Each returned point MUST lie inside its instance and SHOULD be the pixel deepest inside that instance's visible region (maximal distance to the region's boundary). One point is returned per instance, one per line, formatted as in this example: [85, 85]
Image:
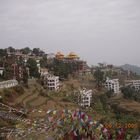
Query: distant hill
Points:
[133, 68]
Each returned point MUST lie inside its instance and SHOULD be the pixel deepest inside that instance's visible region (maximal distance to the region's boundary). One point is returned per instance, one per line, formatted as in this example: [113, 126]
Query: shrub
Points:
[6, 93]
[19, 90]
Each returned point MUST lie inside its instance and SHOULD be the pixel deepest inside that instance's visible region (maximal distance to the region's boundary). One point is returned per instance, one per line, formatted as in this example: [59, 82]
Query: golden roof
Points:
[72, 55]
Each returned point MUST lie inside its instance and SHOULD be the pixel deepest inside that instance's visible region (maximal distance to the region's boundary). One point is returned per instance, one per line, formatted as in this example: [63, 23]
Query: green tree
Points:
[43, 62]
[36, 51]
[3, 52]
[33, 69]
[25, 76]
[99, 76]
[11, 49]
[128, 92]
[26, 50]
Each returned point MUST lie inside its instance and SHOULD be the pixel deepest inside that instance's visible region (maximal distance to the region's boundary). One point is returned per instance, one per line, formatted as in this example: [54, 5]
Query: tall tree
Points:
[99, 76]
[3, 53]
[25, 75]
[43, 62]
[31, 63]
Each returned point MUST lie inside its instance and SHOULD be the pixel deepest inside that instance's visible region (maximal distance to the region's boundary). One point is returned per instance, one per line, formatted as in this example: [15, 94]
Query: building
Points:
[38, 65]
[53, 82]
[8, 83]
[133, 83]
[43, 72]
[113, 85]
[59, 56]
[1, 70]
[72, 56]
[85, 98]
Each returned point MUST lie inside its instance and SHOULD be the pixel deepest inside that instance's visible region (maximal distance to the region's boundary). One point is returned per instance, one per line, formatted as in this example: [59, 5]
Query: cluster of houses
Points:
[52, 82]
[133, 83]
[113, 85]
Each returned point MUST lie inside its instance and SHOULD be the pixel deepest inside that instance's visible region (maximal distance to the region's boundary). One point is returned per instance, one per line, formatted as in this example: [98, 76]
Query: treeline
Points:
[63, 69]
[26, 50]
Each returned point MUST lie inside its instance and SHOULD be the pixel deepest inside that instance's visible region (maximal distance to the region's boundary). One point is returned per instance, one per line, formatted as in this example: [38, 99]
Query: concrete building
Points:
[1, 70]
[133, 83]
[85, 98]
[38, 65]
[44, 71]
[53, 82]
[8, 83]
[113, 85]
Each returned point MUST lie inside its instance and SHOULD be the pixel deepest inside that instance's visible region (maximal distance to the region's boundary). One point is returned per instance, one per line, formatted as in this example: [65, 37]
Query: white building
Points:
[85, 98]
[1, 70]
[133, 83]
[53, 82]
[8, 83]
[38, 65]
[113, 85]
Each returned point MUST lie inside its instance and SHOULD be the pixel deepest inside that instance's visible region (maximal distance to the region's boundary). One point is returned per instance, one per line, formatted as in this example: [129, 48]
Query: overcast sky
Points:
[97, 30]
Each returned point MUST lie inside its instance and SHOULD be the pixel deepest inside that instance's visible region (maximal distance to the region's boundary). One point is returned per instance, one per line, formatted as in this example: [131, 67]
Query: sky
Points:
[97, 30]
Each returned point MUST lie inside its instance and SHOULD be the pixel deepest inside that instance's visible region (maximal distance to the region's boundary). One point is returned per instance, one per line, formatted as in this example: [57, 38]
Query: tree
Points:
[33, 69]
[43, 62]
[11, 49]
[62, 69]
[25, 76]
[36, 51]
[3, 52]
[26, 50]
[99, 76]
[128, 92]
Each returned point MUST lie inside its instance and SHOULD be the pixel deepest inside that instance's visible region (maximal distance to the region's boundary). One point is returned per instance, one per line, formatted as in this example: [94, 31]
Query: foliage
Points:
[99, 76]
[103, 99]
[63, 69]
[19, 90]
[109, 93]
[66, 99]
[26, 50]
[6, 92]
[38, 52]
[11, 49]
[43, 62]
[31, 63]
[130, 93]
[3, 52]
[25, 76]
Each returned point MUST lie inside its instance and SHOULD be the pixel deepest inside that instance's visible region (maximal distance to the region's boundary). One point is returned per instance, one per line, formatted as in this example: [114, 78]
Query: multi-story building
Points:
[133, 83]
[113, 85]
[53, 82]
[85, 98]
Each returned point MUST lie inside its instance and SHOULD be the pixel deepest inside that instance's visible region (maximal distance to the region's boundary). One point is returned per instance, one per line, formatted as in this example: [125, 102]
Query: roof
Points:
[72, 55]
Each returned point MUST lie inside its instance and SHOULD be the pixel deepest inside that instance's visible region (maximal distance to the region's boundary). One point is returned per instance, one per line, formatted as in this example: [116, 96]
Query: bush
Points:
[19, 90]
[6, 93]
[66, 100]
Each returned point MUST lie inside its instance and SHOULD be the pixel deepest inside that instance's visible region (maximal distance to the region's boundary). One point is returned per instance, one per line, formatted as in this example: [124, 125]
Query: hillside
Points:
[133, 68]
